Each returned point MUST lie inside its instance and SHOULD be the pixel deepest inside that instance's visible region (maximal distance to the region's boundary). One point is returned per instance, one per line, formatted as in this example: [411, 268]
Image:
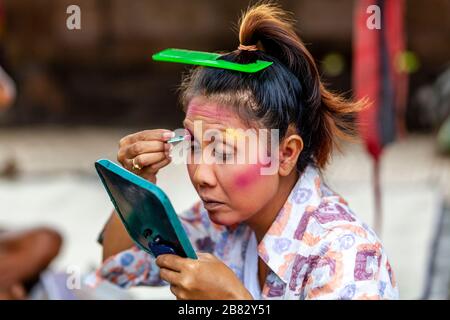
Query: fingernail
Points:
[168, 147]
[168, 135]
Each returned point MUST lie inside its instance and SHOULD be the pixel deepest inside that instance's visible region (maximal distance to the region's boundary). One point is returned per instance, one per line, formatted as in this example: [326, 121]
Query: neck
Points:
[263, 219]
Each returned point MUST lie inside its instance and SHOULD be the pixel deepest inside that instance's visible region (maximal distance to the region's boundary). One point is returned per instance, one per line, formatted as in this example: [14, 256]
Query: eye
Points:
[195, 147]
[223, 152]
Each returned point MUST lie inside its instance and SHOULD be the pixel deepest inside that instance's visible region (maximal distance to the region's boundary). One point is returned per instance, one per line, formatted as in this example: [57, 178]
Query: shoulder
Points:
[346, 259]
[332, 221]
[322, 214]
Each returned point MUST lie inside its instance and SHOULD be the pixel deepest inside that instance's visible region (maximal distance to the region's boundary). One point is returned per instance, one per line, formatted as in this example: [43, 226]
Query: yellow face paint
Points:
[233, 133]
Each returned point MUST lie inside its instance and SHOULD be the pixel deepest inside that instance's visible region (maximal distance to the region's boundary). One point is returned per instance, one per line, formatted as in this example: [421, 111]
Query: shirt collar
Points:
[283, 240]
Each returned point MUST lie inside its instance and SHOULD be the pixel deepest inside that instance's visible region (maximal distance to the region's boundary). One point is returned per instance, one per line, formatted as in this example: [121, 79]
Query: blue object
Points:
[176, 139]
[145, 210]
[158, 249]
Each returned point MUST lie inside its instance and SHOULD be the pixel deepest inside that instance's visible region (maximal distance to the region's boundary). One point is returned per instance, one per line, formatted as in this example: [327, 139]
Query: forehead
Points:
[212, 113]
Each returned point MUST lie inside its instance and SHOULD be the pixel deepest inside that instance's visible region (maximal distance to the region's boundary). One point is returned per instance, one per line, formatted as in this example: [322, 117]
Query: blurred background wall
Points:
[103, 74]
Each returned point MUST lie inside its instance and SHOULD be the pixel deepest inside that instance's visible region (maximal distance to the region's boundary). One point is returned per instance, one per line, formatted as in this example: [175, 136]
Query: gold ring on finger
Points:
[135, 165]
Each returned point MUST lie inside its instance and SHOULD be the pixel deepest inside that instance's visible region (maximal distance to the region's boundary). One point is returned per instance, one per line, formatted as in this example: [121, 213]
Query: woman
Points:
[283, 235]
[24, 256]
[7, 90]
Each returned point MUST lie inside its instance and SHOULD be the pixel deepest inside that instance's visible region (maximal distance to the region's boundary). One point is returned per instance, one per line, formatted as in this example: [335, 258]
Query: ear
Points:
[290, 149]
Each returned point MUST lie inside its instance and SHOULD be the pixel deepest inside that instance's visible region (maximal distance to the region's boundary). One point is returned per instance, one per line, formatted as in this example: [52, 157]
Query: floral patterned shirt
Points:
[315, 249]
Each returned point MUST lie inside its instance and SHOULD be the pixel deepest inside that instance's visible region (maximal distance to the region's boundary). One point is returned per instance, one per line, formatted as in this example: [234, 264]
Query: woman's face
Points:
[231, 192]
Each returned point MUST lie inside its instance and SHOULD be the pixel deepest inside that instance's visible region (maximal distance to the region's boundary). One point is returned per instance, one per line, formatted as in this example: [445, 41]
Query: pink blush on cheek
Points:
[247, 178]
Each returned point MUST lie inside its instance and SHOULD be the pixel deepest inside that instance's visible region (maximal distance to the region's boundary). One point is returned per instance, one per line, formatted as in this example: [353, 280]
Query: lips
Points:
[211, 204]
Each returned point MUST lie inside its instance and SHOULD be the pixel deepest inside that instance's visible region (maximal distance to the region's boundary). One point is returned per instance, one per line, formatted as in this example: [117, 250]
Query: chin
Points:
[224, 218]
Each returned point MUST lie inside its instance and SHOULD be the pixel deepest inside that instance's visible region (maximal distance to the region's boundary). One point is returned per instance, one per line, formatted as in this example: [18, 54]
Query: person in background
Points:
[7, 90]
[7, 87]
[24, 255]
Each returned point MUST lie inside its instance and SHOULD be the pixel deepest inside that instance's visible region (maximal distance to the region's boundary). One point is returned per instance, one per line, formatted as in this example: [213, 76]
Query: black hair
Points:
[287, 93]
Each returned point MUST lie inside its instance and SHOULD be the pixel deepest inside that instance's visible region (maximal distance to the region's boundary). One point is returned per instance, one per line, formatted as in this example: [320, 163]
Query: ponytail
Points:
[329, 116]
[289, 92]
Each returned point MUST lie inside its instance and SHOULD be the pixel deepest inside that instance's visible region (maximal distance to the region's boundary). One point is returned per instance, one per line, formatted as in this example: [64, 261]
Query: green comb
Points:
[207, 59]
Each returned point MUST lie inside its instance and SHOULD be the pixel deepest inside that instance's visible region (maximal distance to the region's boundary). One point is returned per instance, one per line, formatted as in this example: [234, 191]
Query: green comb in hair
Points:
[207, 59]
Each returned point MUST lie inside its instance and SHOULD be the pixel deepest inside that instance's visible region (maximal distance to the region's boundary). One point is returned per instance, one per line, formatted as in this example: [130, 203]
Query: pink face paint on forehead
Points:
[209, 110]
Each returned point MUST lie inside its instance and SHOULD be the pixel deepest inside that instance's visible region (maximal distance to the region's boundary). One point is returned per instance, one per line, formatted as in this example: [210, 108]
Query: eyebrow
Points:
[224, 141]
[185, 126]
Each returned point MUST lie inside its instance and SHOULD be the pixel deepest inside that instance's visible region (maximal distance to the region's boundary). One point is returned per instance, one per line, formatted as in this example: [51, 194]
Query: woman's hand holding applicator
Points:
[145, 152]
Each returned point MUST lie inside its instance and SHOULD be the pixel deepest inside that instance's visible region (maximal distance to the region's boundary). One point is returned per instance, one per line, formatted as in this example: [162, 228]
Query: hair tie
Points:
[247, 48]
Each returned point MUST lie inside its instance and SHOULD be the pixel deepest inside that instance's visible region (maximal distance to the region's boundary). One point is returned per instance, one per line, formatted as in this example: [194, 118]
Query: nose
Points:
[204, 175]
